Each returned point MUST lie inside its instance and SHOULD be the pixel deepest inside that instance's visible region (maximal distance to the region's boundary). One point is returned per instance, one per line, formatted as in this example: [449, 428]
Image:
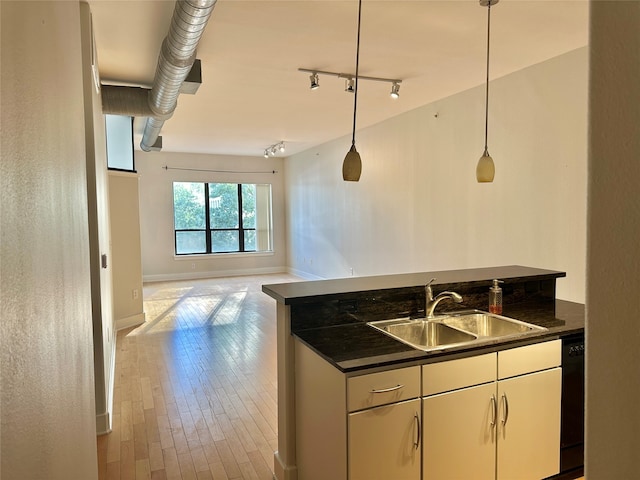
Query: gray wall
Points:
[613, 261]
[47, 378]
[418, 207]
[125, 244]
[104, 338]
[156, 213]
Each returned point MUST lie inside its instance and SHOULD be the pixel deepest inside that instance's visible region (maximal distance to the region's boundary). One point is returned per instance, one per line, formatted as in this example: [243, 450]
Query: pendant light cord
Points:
[486, 97]
[355, 98]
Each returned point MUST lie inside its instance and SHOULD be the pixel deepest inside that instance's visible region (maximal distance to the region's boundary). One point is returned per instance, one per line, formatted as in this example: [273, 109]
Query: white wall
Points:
[613, 266]
[417, 205]
[104, 338]
[47, 378]
[156, 213]
[127, 257]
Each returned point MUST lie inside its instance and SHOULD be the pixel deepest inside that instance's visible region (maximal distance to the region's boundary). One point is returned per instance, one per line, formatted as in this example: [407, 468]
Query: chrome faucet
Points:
[432, 303]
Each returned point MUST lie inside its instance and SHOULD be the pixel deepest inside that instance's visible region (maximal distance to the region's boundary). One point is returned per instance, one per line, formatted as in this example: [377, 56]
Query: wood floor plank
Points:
[191, 401]
[143, 470]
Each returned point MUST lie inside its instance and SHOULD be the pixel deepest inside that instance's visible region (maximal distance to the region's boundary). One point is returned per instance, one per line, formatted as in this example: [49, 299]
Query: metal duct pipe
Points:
[177, 55]
[129, 101]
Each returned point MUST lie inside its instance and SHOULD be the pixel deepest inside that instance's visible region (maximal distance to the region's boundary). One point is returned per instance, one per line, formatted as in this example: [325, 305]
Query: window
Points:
[119, 133]
[221, 217]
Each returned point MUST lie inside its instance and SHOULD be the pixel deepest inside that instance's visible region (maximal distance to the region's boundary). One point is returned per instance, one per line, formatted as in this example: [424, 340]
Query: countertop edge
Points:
[307, 291]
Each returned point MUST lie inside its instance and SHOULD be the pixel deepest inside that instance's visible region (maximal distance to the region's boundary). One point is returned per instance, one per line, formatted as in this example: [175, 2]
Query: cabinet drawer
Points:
[381, 388]
[532, 358]
[461, 373]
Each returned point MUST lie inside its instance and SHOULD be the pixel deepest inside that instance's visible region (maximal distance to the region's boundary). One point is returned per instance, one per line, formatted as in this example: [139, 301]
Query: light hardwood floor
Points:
[195, 393]
[195, 386]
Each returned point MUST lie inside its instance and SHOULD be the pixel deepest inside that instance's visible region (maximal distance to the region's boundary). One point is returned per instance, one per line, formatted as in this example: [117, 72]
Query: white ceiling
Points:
[252, 94]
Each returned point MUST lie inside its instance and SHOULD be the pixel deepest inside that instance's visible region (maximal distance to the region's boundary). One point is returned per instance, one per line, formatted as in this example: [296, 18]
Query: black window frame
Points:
[208, 230]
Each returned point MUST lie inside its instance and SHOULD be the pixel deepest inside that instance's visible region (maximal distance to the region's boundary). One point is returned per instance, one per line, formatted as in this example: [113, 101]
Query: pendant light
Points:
[352, 165]
[486, 170]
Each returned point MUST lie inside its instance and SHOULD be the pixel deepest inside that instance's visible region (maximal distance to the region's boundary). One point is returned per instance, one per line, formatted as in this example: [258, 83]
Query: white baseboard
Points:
[303, 274]
[283, 471]
[132, 321]
[103, 423]
[169, 277]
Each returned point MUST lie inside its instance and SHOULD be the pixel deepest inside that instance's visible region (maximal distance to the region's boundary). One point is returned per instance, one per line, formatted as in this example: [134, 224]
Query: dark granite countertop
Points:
[358, 346]
[310, 291]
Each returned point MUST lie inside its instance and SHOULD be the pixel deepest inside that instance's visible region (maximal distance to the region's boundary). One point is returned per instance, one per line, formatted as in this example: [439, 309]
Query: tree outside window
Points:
[221, 217]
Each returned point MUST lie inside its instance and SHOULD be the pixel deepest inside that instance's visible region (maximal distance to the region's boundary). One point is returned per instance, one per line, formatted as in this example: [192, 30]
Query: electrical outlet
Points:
[193, 266]
[134, 293]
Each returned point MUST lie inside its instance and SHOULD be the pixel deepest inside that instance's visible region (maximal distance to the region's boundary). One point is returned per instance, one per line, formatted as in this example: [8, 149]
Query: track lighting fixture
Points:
[272, 150]
[395, 90]
[350, 79]
[315, 82]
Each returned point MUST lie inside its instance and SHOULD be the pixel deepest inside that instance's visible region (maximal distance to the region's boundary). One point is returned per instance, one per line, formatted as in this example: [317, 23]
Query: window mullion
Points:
[240, 225]
[207, 221]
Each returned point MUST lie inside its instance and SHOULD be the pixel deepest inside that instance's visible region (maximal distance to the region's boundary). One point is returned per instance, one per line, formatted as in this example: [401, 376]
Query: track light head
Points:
[272, 150]
[395, 90]
[315, 82]
[352, 79]
[349, 85]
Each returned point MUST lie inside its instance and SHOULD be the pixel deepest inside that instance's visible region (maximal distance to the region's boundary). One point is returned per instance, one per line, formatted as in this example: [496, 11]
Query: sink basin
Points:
[453, 329]
[423, 334]
[489, 325]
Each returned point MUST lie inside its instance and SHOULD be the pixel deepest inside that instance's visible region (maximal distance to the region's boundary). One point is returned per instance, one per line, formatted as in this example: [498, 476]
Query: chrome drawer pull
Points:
[505, 402]
[494, 410]
[387, 390]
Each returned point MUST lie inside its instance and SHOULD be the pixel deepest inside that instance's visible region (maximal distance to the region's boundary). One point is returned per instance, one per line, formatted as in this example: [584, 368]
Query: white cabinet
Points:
[384, 425]
[529, 426]
[384, 442]
[502, 425]
[529, 400]
[361, 427]
[486, 417]
[459, 442]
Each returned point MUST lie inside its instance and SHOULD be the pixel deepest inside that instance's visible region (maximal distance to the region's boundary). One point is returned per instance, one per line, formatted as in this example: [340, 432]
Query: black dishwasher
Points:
[572, 409]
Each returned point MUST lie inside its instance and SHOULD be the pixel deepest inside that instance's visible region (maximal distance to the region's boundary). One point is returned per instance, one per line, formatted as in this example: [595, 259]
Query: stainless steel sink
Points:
[489, 325]
[454, 329]
[423, 334]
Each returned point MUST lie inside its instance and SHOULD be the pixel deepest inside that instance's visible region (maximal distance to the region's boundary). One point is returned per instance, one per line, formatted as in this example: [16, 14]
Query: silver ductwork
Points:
[177, 56]
[128, 101]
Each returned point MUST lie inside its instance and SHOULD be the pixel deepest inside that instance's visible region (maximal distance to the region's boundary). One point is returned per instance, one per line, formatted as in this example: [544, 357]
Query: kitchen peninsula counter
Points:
[330, 317]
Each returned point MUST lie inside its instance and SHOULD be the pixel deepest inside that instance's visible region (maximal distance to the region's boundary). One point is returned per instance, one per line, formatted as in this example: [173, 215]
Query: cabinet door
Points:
[459, 438]
[529, 426]
[382, 442]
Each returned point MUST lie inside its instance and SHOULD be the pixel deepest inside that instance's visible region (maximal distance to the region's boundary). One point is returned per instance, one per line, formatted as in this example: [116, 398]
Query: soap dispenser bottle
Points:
[495, 298]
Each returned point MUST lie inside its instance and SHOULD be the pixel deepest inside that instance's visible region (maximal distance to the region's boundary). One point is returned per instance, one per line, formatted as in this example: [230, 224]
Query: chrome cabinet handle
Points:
[387, 390]
[505, 402]
[416, 444]
[494, 410]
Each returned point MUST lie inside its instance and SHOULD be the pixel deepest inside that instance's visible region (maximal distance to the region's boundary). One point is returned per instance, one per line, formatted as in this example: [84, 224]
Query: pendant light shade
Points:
[352, 164]
[486, 170]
